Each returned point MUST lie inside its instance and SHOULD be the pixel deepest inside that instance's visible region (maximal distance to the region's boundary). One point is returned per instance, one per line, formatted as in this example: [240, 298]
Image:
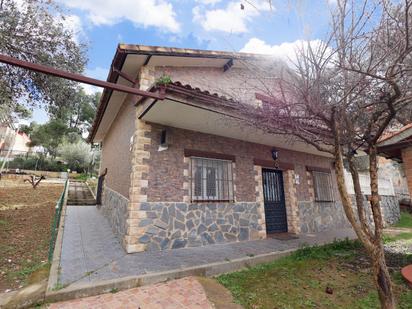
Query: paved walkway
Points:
[90, 251]
[186, 293]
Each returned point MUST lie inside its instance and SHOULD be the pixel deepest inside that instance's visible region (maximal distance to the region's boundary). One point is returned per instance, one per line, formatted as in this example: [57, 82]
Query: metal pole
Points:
[78, 77]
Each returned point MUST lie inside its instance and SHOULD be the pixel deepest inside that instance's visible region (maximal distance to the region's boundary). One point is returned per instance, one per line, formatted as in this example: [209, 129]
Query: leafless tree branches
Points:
[340, 96]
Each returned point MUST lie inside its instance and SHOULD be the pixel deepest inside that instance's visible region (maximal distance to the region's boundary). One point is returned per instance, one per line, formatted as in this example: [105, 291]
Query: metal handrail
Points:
[56, 220]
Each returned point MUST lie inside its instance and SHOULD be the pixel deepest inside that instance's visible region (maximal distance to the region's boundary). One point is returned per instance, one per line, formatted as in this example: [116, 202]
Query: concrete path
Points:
[91, 253]
[186, 293]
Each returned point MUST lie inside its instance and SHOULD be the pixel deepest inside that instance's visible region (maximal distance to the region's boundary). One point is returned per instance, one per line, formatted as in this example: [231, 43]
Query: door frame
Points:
[283, 198]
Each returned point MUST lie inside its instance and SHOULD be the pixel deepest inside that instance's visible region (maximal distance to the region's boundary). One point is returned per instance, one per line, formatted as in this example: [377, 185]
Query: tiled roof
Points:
[199, 91]
[389, 135]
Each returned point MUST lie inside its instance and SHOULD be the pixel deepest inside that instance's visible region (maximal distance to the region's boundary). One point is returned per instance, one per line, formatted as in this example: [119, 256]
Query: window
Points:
[211, 180]
[322, 184]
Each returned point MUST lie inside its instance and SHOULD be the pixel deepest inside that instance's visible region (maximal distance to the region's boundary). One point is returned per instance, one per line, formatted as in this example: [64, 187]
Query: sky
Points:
[268, 27]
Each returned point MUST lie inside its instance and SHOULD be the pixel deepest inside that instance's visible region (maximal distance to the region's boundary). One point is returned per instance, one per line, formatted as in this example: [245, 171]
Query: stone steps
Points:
[79, 194]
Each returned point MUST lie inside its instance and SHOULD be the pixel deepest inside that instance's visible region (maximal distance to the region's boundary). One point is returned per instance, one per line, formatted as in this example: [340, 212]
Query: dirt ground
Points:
[25, 221]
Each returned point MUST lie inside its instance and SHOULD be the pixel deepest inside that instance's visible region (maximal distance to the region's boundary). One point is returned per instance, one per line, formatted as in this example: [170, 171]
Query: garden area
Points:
[26, 216]
[337, 275]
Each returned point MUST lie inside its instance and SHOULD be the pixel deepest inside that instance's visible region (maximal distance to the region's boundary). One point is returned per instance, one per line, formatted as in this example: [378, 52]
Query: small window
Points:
[322, 184]
[211, 180]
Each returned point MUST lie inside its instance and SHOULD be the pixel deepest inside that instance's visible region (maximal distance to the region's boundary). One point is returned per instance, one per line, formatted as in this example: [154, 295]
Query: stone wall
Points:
[390, 209]
[114, 208]
[393, 170]
[319, 217]
[178, 225]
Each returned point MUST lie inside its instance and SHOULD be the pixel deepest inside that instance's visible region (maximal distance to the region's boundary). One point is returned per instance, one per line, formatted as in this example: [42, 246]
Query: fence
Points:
[385, 185]
[56, 219]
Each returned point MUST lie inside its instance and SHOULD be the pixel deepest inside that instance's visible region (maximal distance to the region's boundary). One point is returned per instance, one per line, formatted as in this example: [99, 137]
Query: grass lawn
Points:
[25, 222]
[405, 220]
[302, 279]
[400, 236]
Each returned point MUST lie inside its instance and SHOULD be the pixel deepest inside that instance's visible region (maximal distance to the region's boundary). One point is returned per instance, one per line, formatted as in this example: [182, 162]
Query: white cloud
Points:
[146, 13]
[231, 18]
[73, 24]
[208, 2]
[98, 73]
[285, 51]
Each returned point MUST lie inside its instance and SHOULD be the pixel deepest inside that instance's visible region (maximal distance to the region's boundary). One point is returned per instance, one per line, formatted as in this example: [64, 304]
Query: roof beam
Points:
[147, 60]
[228, 65]
[125, 76]
[78, 77]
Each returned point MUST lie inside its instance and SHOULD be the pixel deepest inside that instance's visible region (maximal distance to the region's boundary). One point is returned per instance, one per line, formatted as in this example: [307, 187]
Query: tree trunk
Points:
[380, 270]
[372, 243]
[382, 278]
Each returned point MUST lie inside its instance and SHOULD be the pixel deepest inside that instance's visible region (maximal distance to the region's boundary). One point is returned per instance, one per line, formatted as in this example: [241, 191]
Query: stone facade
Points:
[390, 209]
[115, 208]
[260, 200]
[323, 216]
[138, 188]
[139, 173]
[179, 225]
[393, 170]
[318, 217]
[292, 210]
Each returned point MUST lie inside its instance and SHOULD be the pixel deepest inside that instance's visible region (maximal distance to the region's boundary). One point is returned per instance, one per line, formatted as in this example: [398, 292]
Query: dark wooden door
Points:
[274, 199]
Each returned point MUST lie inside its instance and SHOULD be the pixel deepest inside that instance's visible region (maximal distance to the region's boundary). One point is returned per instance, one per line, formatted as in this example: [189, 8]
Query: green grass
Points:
[400, 236]
[81, 176]
[30, 271]
[58, 286]
[405, 221]
[300, 280]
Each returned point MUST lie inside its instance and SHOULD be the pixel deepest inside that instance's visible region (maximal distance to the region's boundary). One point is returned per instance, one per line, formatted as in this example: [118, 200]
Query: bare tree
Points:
[34, 180]
[340, 97]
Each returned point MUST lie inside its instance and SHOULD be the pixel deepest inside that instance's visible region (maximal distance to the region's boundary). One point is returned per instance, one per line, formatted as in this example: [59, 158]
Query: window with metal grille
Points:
[322, 184]
[211, 180]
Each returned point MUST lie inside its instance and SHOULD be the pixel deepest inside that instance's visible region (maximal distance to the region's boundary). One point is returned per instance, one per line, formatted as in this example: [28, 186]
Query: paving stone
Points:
[90, 247]
[187, 293]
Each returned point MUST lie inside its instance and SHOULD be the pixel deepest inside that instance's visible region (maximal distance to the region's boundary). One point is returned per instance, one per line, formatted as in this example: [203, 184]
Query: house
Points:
[189, 170]
[397, 146]
[13, 142]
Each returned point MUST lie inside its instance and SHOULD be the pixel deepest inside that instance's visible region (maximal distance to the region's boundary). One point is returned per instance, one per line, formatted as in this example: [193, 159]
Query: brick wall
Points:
[407, 165]
[166, 177]
[116, 154]
[237, 83]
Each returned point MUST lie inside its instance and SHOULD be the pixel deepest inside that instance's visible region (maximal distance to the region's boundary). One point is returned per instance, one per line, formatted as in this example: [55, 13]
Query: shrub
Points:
[39, 163]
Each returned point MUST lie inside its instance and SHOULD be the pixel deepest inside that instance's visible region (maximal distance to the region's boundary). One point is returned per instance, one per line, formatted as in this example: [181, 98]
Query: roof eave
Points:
[113, 75]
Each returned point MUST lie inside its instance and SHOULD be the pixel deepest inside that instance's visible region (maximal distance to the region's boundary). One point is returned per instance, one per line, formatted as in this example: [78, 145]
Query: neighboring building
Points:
[397, 146]
[13, 142]
[188, 171]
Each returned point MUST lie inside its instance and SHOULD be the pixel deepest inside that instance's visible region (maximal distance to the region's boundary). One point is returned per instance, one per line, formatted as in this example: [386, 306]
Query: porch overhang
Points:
[390, 146]
[128, 61]
[187, 113]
